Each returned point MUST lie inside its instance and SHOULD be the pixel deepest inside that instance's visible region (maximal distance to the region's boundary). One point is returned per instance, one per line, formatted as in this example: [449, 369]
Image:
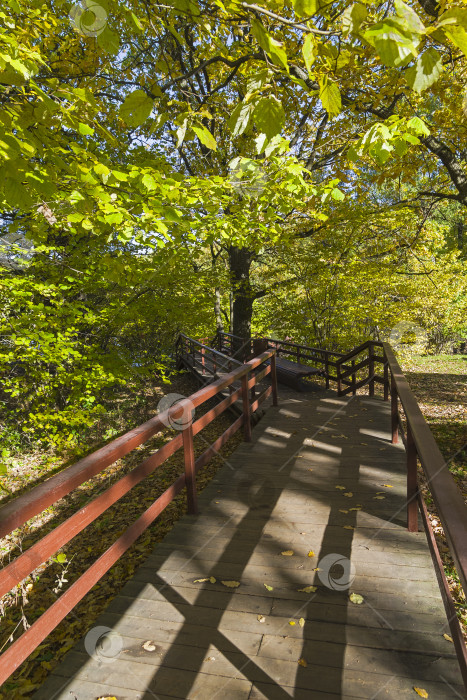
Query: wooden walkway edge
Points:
[322, 480]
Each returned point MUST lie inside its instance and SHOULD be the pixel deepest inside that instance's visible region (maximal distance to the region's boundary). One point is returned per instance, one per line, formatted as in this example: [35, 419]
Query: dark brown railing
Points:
[21, 509]
[421, 447]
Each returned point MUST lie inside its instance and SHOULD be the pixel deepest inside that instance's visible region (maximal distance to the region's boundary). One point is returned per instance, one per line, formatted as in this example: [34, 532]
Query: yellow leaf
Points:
[287, 553]
[341, 510]
[261, 618]
[349, 527]
[291, 622]
[311, 553]
[356, 598]
[301, 622]
[231, 584]
[212, 579]
[349, 494]
[356, 508]
[307, 589]
[342, 488]
[448, 638]
[388, 486]
[107, 697]
[268, 588]
[302, 662]
[378, 498]
[200, 580]
[421, 691]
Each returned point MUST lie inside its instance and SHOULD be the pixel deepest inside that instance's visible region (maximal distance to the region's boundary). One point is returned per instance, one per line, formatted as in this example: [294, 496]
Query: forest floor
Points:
[439, 383]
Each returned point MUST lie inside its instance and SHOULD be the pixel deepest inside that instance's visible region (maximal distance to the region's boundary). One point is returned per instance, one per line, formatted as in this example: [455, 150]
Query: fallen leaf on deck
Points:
[231, 584]
[311, 553]
[349, 494]
[149, 646]
[287, 553]
[302, 662]
[301, 622]
[291, 622]
[261, 618]
[421, 691]
[356, 598]
[349, 527]
[268, 588]
[308, 589]
[378, 498]
[341, 510]
[356, 508]
[388, 486]
[201, 580]
[342, 488]
[107, 697]
[448, 638]
[210, 658]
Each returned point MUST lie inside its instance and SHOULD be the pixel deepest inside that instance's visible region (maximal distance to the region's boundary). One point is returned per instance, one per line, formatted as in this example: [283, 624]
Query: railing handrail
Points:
[446, 494]
[285, 342]
[211, 350]
[26, 506]
[360, 348]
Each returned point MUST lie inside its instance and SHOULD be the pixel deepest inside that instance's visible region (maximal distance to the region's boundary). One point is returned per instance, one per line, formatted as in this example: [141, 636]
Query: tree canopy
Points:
[290, 167]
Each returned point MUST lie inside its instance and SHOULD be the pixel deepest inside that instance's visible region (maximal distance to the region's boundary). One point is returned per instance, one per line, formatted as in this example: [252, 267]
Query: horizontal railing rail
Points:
[17, 512]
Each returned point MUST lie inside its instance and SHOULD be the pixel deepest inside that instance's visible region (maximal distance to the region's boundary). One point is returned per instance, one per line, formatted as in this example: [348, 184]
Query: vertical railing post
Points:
[298, 355]
[190, 477]
[371, 371]
[274, 379]
[386, 381]
[326, 369]
[246, 408]
[354, 380]
[412, 483]
[339, 381]
[202, 360]
[394, 412]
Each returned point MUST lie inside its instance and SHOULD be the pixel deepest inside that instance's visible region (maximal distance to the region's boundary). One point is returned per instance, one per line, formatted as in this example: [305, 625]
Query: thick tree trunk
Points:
[240, 260]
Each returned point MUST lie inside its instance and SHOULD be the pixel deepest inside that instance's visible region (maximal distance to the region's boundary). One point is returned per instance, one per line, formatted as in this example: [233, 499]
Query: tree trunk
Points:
[240, 260]
[217, 311]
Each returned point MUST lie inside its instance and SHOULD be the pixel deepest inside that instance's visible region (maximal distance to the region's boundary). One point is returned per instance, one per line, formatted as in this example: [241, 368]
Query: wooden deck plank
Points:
[212, 641]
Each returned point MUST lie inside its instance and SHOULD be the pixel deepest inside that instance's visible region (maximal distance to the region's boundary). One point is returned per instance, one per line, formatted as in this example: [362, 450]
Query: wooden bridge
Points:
[306, 569]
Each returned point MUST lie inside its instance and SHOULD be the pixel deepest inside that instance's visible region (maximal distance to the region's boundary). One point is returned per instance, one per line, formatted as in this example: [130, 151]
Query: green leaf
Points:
[330, 96]
[109, 41]
[85, 130]
[136, 108]
[269, 116]
[409, 17]
[396, 48]
[61, 558]
[458, 36]
[305, 8]
[239, 119]
[353, 18]
[309, 51]
[149, 182]
[418, 126]
[205, 136]
[426, 71]
[272, 47]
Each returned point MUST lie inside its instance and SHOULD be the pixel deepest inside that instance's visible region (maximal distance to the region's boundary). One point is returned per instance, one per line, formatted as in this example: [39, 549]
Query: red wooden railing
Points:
[20, 510]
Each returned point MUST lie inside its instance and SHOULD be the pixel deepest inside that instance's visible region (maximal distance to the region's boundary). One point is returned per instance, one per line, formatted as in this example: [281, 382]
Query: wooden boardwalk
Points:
[173, 637]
